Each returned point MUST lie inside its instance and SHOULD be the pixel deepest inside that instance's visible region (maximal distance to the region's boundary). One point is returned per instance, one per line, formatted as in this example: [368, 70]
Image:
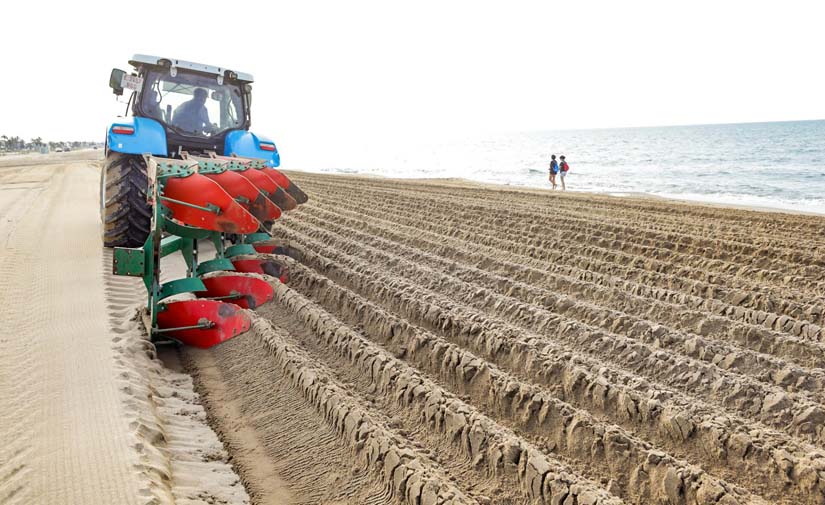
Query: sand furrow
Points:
[606, 301]
[706, 317]
[679, 237]
[452, 216]
[405, 475]
[632, 235]
[746, 303]
[766, 403]
[683, 426]
[748, 226]
[591, 445]
[484, 442]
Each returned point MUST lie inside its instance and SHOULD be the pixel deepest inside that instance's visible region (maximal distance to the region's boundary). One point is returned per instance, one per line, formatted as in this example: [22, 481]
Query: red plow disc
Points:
[202, 323]
[226, 216]
[268, 248]
[246, 292]
[257, 266]
[285, 199]
[239, 186]
[276, 193]
[274, 247]
[284, 182]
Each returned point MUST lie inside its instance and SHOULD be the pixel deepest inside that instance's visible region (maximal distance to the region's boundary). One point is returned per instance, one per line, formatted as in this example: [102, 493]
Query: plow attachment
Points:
[243, 291]
[274, 192]
[201, 202]
[284, 182]
[258, 264]
[262, 176]
[253, 199]
[201, 323]
[195, 199]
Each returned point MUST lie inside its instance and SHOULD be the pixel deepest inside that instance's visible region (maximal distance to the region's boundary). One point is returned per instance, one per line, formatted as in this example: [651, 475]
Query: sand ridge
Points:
[547, 348]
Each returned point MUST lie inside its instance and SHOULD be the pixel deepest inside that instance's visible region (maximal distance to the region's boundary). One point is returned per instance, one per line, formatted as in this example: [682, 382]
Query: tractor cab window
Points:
[194, 104]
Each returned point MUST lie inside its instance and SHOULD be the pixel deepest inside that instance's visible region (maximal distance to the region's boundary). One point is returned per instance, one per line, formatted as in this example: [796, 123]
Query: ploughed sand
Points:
[87, 415]
[437, 342]
[449, 342]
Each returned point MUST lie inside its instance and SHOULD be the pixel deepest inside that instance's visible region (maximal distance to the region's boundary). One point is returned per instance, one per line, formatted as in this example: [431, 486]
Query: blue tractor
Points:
[175, 108]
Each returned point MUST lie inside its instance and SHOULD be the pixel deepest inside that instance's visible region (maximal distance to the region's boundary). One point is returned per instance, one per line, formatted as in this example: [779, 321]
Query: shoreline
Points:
[97, 155]
[620, 195]
[722, 205]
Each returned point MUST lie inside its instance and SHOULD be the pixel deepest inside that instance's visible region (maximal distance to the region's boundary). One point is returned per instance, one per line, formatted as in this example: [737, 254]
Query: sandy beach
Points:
[438, 341]
[87, 414]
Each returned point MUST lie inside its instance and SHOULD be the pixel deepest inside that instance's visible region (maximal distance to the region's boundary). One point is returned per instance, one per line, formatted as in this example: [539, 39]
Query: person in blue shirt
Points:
[192, 116]
[554, 169]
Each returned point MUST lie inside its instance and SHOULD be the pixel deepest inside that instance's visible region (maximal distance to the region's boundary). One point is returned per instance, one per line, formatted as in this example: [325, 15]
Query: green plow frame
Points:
[188, 206]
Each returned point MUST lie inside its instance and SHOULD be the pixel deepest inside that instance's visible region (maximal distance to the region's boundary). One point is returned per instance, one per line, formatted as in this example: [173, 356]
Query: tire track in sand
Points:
[67, 441]
[73, 366]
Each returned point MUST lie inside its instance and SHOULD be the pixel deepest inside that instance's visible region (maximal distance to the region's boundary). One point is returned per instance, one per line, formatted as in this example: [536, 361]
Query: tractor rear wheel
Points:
[124, 211]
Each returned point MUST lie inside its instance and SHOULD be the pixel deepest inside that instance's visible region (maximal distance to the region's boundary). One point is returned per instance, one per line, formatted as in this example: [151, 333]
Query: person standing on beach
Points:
[563, 168]
[554, 169]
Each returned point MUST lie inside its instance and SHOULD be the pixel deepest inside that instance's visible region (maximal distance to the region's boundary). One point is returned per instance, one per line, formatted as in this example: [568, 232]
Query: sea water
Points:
[776, 165]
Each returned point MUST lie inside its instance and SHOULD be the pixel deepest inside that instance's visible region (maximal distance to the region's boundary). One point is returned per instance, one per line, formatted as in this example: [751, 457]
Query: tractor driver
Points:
[192, 116]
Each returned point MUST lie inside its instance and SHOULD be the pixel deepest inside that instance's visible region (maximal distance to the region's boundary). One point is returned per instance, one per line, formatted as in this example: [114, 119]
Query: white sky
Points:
[355, 70]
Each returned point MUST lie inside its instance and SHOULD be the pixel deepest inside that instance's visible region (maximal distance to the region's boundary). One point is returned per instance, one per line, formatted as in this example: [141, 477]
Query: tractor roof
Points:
[145, 59]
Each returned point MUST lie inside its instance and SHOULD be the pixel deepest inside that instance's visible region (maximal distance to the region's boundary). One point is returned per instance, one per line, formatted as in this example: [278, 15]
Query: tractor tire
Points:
[124, 212]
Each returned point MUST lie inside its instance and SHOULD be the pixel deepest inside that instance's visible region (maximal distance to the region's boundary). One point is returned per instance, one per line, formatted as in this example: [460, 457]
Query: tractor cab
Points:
[191, 104]
[195, 105]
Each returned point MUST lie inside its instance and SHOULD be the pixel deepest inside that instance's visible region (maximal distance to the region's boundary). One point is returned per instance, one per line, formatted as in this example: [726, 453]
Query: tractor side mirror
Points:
[116, 80]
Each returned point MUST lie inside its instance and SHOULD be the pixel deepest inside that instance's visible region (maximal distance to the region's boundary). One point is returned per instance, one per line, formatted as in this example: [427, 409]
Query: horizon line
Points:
[677, 125]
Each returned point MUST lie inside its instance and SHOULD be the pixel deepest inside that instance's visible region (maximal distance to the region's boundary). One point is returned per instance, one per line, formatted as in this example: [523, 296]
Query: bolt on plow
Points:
[217, 199]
